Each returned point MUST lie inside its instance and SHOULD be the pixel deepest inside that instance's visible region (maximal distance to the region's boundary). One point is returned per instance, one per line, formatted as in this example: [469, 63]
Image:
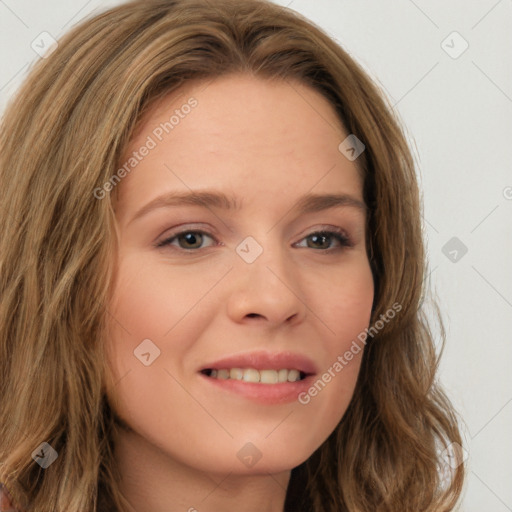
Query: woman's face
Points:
[255, 286]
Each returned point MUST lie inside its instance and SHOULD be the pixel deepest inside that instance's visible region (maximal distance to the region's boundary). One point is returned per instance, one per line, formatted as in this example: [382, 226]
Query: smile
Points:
[256, 376]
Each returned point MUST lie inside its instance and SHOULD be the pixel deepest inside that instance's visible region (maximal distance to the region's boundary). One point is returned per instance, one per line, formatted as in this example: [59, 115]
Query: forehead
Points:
[254, 135]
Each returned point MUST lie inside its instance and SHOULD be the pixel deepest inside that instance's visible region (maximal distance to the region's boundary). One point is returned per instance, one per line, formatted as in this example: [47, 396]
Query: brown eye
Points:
[190, 240]
[187, 240]
[320, 241]
[326, 240]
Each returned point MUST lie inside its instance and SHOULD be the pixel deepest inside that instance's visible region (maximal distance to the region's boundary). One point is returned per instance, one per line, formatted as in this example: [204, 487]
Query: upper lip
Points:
[264, 360]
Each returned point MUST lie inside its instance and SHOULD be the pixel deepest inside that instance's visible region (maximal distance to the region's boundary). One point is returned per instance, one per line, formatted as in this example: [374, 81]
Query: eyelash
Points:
[336, 233]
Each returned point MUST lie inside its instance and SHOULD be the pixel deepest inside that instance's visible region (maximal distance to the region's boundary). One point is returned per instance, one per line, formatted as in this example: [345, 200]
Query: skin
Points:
[268, 143]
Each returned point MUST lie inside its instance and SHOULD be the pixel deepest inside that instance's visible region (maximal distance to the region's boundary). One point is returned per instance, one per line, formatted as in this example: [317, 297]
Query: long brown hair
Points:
[62, 138]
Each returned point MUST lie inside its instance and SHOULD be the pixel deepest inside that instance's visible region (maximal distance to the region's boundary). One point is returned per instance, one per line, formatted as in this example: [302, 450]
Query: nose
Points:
[266, 290]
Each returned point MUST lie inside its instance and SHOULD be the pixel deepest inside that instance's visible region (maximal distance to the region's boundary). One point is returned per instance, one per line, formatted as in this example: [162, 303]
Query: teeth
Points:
[268, 376]
[293, 375]
[221, 374]
[236, 373]
[253, 375]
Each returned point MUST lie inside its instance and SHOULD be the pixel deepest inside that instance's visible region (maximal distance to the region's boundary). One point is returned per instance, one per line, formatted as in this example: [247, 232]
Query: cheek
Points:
[152, 303]
[140, 309]
[150, 299]
[344, 307]
[344, 302]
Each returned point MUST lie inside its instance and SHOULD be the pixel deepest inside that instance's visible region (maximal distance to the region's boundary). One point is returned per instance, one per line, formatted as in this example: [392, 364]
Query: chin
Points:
[246, 458]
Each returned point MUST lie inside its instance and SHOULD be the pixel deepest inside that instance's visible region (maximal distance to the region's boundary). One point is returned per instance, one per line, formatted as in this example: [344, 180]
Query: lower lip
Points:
[280, 393]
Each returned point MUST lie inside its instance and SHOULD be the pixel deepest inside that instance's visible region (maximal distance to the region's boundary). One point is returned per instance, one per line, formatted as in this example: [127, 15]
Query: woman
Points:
[286, 364]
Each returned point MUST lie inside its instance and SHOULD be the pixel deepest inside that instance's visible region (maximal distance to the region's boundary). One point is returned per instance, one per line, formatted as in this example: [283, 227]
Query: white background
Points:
[457, 112]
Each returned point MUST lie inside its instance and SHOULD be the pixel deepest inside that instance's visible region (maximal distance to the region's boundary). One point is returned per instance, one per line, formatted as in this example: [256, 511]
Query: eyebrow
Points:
[309, 203]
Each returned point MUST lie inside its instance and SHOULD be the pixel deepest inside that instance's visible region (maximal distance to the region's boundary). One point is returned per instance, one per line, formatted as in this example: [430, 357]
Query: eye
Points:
[324, 239]
[187, 240]
[193, 239]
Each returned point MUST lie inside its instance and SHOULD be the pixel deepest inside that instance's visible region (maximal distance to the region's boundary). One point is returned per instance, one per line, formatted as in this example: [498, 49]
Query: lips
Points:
[262, 361]
[236, 375]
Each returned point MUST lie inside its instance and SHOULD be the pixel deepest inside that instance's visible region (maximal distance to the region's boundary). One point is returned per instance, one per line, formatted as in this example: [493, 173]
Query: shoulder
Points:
[6, 500]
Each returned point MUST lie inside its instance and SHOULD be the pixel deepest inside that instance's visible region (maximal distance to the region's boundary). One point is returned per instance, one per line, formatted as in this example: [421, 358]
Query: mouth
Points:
[264, 377]
[267, 376]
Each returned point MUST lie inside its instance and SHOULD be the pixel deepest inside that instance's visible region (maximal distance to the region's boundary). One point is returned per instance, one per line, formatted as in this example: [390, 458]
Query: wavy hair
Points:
[62, 137]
